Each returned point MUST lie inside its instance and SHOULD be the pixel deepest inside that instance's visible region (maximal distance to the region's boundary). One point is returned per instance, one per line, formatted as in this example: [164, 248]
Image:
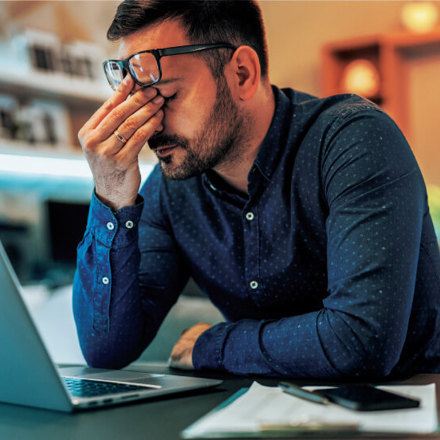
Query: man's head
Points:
[207, 120]
[204, 21]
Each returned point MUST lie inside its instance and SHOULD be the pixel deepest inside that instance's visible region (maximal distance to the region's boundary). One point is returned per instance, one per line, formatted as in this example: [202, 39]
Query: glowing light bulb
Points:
[419, 16]
[361, 77]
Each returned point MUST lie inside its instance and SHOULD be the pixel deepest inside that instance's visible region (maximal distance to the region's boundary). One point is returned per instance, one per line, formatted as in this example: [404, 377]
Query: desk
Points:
[159, 419]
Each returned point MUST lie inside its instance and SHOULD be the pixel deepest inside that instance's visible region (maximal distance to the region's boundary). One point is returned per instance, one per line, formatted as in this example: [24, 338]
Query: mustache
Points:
[162, 139]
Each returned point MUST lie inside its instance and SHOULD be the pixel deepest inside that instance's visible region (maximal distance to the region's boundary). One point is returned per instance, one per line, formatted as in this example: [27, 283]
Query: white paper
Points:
[262, 405]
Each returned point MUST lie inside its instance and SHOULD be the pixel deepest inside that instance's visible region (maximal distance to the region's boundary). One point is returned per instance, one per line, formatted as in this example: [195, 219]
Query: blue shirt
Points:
[329, 267]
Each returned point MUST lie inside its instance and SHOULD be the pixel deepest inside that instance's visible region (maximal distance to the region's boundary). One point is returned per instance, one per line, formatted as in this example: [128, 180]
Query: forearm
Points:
[321, 344]
[113, 327]
[128, 277]
[111, 324]
[287, 347]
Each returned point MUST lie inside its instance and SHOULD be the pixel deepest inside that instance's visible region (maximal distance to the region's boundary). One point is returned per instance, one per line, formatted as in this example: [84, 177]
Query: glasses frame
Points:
[158, 54]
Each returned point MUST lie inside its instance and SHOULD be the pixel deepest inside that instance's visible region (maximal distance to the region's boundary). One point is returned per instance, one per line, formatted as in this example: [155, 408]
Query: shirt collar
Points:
[275, 139]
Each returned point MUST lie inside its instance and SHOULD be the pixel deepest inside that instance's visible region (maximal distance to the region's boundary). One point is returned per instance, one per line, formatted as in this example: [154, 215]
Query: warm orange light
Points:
[419, 16]
[361, 77]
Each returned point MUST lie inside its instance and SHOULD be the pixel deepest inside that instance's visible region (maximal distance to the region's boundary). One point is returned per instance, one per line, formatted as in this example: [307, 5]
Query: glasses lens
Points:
[144, 67]
[114, 74]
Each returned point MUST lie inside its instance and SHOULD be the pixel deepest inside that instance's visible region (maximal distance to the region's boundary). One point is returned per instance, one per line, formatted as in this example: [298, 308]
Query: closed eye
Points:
[170, 98]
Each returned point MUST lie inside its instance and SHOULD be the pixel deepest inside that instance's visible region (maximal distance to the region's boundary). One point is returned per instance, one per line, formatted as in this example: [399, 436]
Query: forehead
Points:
[169, 33]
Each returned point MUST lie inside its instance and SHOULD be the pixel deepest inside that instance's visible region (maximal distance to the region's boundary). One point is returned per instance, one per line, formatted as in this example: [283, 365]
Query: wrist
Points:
[116, 204]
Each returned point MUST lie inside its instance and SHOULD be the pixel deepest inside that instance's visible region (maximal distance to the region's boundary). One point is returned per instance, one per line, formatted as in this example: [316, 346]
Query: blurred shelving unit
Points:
[391, 54]
[70, 91]
[80, 98]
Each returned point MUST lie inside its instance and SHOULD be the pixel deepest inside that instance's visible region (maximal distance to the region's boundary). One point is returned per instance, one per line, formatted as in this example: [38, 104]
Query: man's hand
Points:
[181, 355]
[113, 138]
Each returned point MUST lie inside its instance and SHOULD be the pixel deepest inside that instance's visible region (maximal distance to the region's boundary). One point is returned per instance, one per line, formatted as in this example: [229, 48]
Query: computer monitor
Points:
[66, 223]
[65, 226]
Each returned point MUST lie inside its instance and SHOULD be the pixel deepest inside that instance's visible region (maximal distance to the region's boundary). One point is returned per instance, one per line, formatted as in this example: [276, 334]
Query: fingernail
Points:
[158, 99]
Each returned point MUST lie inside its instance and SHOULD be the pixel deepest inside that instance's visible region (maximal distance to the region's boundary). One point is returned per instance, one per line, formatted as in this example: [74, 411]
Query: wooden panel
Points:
[424, 98]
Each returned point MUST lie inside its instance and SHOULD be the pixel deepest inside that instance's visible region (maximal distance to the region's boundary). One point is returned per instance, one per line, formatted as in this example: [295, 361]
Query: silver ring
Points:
[119, 137]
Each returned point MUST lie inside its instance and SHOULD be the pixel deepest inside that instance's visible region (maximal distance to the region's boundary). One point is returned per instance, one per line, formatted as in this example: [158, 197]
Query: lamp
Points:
[361, 77]
[419, 16]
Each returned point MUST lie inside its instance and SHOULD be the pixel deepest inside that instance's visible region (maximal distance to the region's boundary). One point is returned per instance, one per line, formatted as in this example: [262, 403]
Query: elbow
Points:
[371, 359]
[107, 364]
[102, 351]
[102, 358]
[360, 348]
[372, 365]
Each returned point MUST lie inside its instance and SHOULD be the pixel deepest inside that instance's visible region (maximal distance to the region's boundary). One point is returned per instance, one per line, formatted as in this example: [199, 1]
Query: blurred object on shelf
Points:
[32, 50]
[43, 48]
[419, 16]
[49, 122]
[40, 122]
[361, 77]
[83, 60]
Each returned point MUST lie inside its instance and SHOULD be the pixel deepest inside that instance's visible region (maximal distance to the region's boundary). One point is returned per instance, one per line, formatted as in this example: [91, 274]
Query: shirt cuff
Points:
[208, 349]
[114, 229]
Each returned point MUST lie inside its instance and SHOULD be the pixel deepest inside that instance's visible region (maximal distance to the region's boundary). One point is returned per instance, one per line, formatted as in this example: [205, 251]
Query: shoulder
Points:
[317, 122]
[331, 108]
[347, 118]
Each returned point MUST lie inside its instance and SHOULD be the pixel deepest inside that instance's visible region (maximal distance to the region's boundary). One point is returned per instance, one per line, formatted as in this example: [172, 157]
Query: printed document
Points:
[262, 409]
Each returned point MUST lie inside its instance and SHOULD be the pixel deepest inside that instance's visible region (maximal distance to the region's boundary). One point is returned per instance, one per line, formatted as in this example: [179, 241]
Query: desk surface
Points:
[159, 419]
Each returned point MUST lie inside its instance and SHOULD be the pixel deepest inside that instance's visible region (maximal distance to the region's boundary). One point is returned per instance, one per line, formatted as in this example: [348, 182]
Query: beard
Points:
[218, 142]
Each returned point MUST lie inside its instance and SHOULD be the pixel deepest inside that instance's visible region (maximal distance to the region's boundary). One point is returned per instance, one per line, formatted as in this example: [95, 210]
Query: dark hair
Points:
[238, 22]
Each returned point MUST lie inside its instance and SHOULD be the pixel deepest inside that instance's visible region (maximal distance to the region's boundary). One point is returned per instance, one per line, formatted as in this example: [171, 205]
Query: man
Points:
[304, 220]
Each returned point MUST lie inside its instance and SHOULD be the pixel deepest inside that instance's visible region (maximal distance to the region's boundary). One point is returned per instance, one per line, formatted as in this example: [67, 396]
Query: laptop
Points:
[28, 376]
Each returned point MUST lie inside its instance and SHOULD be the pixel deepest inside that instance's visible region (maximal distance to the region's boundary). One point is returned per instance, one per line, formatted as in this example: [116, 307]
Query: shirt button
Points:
[250, 216]
[105, 280]
[110, 226]
[253, 284]
[129, 224]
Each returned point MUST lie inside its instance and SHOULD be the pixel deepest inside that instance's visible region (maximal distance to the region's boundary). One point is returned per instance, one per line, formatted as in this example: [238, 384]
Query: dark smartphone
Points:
[366, 398]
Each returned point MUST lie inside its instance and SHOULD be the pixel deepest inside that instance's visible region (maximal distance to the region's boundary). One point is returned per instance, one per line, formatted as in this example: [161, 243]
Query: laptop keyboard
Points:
[92, 388]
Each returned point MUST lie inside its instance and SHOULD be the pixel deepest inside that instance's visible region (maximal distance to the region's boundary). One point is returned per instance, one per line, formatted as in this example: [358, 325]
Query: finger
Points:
[140, 117]
[139, 138]
[119, 96]
[183, 361]
[124, 110]
[180, 365]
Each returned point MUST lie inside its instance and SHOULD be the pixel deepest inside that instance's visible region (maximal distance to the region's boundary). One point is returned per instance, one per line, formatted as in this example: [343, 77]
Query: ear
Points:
[246, 72]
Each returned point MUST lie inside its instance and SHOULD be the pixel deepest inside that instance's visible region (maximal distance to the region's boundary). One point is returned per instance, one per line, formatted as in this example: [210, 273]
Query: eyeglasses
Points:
[145, 68]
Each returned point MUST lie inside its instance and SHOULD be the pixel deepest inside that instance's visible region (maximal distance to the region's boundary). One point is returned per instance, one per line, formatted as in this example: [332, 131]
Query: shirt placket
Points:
[252, 251]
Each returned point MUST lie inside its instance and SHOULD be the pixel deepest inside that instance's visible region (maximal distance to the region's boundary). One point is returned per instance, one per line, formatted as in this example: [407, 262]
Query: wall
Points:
[296, 30]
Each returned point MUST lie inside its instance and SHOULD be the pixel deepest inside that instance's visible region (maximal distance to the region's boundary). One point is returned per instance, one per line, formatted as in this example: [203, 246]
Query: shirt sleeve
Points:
[376, 202]
[122, 291]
